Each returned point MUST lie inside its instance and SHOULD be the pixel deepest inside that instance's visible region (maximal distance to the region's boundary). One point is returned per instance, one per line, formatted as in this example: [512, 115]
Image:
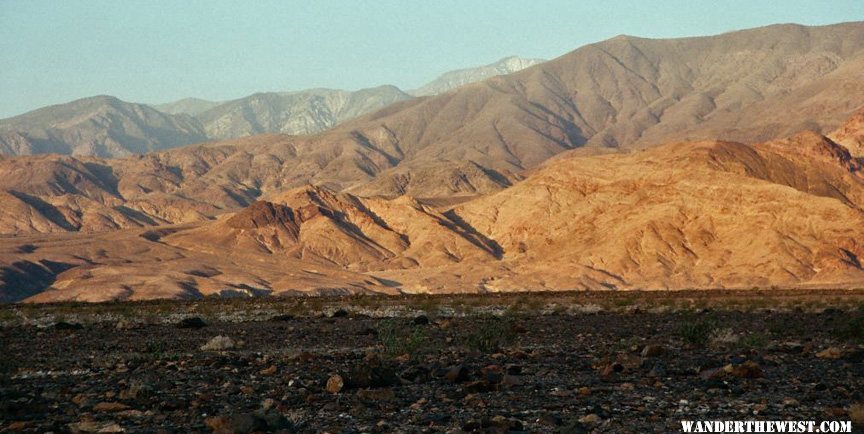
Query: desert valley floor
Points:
[626, 362]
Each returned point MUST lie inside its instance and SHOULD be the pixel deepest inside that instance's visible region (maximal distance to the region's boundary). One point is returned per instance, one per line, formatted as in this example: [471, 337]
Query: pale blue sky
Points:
[158, 51]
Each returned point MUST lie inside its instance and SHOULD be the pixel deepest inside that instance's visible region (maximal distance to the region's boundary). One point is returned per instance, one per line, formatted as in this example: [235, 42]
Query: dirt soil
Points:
[542, 363]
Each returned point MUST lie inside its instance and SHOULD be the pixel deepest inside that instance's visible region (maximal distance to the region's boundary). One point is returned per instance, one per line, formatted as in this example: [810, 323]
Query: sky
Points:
[154, 51]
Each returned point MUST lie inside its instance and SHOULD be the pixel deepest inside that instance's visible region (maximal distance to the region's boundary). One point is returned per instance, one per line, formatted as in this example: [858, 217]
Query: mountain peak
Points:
[454, 79]
[101, 125]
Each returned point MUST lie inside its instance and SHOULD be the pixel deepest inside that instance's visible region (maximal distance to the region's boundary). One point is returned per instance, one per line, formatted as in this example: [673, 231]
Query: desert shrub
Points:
[753, 340]
[398, 339]
[724, 337]
[851, 328]
[787, 325]
[362, 300]
[7, 315]
[155, 348]
[627, 344]
[529, 303]
[430, 305]
[624, 302]
[696, 332]
[490, 334]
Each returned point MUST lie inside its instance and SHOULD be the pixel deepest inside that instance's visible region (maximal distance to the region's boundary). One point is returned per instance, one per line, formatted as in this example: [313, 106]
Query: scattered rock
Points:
[109, 407]
[218, 343]
[653, 350]
[17, 426]
[191, 323]
[305, 356]
[134, 391]
[370, 376]
[856, 413]
[376, 394]
[549, 419]
[518, 327]
[710, 374]
[236, 424]
[658, 371]
[478, 386]
[836, 412]
[95, 427]
[574, 427]
[611, 369]
[335, 384]
[79, 399]
[748, 369]
[419, 404]
[790, 402]
[125, 324]
[266, 420]
[510, 381]
[830, 353]
[590, 419]
[457, 374]
[496, 424]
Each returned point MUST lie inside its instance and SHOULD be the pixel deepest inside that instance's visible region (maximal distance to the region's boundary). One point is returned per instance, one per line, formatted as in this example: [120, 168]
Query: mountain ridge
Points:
[100, 126]
[485, 136]
[300, 112]
[460, 77]
[787, 213]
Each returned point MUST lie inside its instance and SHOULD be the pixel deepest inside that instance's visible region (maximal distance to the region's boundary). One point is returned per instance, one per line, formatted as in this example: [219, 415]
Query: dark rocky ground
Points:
[526, 369]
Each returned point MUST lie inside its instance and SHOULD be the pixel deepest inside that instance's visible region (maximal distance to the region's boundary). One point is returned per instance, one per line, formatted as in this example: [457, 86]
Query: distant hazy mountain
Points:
[189, 106]
[102, 126]
[460, 77]
[315, 110]
[296, 113]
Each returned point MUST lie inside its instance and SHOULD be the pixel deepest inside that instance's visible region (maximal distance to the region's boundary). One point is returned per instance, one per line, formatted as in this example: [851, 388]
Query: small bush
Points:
[725, 337]
[624, 302]
[787, 325]
[398, 339]
[490, 335]
[431, 306]
[753, 340]
[696, 332]
[851, 328]
[156, 348]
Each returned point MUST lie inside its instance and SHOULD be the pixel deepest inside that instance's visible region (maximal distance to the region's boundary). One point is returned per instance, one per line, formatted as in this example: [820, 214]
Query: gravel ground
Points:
[628, 372]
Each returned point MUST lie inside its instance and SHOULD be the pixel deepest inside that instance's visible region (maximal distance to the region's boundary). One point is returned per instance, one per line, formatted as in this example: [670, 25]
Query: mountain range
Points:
[709, 214]
[728, 161]
[104, 126]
